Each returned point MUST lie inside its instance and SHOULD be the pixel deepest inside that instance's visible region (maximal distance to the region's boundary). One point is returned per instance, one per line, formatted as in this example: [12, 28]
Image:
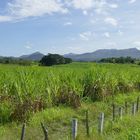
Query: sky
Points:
[68, 26]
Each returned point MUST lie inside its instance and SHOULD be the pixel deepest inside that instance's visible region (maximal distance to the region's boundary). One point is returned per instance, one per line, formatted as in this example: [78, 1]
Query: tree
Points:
[68, 60]
[121, 60]
[54, 59]
[10, 60]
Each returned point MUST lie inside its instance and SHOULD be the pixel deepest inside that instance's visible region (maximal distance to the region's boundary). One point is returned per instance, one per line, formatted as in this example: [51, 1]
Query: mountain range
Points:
[105, 53]
[92, 56]
[34, 56]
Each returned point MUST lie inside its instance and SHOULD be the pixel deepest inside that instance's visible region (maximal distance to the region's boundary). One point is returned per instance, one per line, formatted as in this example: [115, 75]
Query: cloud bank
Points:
[21, 9]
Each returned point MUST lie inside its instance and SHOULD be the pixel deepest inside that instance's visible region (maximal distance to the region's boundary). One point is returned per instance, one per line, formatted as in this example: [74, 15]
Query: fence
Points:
[101, 119]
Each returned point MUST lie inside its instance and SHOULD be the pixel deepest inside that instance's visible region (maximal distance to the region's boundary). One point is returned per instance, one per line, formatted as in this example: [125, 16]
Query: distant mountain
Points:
[92, 56]
[35, 56]
[105, 53]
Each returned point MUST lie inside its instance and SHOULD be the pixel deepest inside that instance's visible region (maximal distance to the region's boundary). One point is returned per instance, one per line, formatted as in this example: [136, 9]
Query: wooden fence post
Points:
[87, 123]
[45, 130]
[23, 131]
[74, 128]
[113, 111]
[120, 112]
[137, 108]
[133, 109]
[126, 107]
[101, 123]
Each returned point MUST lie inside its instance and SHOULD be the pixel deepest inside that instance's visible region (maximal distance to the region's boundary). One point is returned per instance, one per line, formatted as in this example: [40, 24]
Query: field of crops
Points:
[26, 90]
[56, 94]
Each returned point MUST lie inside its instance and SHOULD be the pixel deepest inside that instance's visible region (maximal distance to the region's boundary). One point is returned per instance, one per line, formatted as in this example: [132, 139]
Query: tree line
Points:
[56, 59]
[18, 61]
[48, 60]
[121, 60]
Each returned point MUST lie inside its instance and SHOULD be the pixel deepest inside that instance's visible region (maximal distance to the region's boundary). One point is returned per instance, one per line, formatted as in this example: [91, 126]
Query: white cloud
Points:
[111, 44]
[20, 9]
[100, 11]
[85, 12]
[132, 1]
[85, 35]
[67, 23]
[113, 6]
[111, 20]
[102, 6]
[136, 43]
[99, 6]
[28, 45]
[32, 8]
[106, 34]
[94, 21]
[82, 4]
[5, 18]
[120, 32]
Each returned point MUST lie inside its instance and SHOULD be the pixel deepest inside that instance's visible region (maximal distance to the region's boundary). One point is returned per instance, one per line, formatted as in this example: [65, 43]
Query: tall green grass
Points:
[26, 90]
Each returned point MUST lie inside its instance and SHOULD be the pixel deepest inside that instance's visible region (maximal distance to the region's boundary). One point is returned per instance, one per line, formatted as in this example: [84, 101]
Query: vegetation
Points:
[58, 122]
[11, 60]
[24, 90]
[54, 59]
[50, 94]
[121, 60]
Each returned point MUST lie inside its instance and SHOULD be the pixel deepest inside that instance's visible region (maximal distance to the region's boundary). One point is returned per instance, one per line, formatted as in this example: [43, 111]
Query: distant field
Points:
[34, 88]
[28, 91]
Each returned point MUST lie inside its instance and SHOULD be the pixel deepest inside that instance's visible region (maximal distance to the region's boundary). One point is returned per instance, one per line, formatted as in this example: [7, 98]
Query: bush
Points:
[5, 111]
[121, 60]
[10, 60]
[138, 63]
[54, 59]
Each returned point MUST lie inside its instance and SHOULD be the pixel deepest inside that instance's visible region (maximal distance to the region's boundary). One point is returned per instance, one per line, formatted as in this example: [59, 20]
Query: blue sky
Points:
[65, 26]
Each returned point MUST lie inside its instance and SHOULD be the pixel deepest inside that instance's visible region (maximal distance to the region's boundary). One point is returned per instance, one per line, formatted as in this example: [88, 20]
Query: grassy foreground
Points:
[55, 95]
[58, 121]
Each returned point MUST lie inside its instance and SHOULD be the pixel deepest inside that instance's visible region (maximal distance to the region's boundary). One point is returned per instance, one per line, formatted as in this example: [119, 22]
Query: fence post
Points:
[133, 109]
[113, 111]
[23, 131]
[126, 107]
[101, 123]
[137, 108]
[74, 128]
[120, 112]
[45, 131]
[87, 123]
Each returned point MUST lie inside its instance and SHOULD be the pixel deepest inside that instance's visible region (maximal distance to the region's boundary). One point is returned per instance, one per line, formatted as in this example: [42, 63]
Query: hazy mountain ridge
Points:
[105, 53]
[91, 56]
[34, 56]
